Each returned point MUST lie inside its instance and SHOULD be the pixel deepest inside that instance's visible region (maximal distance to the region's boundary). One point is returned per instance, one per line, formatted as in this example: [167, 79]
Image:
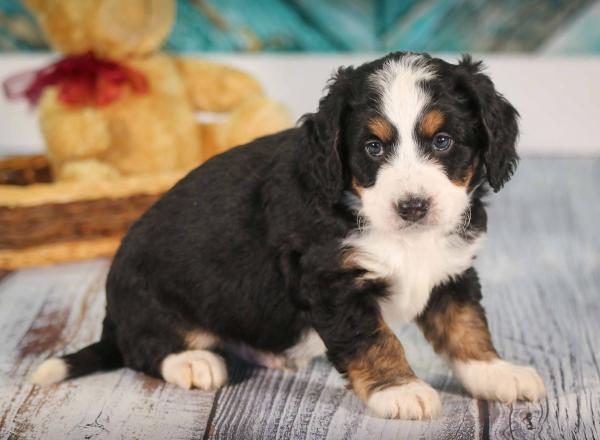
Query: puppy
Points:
[321, 238]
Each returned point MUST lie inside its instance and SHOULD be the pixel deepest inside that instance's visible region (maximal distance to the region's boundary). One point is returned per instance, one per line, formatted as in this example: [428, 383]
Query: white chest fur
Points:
[413, 263]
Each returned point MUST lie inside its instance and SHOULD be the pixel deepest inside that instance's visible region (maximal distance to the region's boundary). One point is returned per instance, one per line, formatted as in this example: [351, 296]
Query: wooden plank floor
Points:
[541, 277]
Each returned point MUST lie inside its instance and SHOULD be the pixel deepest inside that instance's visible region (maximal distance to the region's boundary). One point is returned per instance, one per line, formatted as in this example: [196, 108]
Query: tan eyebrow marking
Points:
[381, 128]
[432, 122]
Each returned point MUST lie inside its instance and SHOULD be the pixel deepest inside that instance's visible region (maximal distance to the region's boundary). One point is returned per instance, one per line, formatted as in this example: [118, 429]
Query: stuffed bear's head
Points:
[110, 28]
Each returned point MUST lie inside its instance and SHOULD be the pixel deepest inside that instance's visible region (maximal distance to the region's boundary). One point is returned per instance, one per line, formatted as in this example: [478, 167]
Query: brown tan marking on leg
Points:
[381, 128]
[381, 366]
[432, 122]
[455, 324]
[458, 331]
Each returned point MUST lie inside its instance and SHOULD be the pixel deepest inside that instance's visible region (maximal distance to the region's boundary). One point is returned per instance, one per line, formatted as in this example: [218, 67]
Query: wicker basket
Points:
[42, 222]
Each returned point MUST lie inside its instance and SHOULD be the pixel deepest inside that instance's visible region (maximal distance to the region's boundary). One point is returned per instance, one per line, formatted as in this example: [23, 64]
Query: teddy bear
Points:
[117, 107]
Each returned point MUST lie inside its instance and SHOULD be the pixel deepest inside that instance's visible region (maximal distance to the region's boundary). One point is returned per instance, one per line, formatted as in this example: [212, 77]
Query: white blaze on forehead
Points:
[403, 98]
[408, 173]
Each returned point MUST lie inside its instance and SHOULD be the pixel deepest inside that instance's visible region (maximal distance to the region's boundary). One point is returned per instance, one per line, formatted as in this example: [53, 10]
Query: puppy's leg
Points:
[382, 377]
[361, 346]
[455, 324]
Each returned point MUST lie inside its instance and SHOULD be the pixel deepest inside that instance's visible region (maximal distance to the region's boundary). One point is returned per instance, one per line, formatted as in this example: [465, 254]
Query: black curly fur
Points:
[247, 246]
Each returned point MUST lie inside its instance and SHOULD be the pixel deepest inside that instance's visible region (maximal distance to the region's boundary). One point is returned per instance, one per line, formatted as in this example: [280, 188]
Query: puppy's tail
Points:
[100, 356]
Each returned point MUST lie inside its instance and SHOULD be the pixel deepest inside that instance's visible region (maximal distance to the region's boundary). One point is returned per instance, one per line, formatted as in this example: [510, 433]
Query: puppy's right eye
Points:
[374, 148]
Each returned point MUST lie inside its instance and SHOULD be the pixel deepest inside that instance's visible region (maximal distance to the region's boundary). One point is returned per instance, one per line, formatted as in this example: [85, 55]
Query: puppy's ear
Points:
[324, 159]
[498, 118]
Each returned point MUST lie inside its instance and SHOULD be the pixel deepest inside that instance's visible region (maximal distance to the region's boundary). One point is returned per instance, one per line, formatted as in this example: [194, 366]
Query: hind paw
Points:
[201, 369]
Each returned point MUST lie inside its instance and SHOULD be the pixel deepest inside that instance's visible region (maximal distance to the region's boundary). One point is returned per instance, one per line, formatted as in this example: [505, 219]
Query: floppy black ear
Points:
[499, 120]
[323, 168]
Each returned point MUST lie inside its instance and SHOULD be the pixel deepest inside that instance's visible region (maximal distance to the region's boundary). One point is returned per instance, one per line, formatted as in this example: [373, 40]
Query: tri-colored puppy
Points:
[320, 238]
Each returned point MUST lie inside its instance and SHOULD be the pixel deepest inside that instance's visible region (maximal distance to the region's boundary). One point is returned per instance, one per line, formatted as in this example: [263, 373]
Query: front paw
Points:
[500, 380]
[412, 401]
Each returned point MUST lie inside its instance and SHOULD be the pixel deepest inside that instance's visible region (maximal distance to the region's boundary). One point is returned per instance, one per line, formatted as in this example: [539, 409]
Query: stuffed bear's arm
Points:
[72, 133]
[257, 116]
[214, 87]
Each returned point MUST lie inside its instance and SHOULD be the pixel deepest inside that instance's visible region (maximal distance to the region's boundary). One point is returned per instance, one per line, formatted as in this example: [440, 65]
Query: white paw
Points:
[202, 369]
[413, 401]
[500, 380]
[50, 371]
[306, 349]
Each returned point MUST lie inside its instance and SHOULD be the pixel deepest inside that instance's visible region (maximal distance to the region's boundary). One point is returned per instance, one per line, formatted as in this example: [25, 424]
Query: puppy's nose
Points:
[412, 209]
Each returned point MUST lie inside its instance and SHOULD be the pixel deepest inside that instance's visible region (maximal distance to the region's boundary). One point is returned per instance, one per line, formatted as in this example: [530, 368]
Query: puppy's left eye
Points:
[442, 142]
[374, 148]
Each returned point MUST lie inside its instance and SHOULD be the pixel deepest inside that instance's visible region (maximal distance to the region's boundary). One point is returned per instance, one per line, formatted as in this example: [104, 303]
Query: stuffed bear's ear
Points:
[323, 166]
[499, 120]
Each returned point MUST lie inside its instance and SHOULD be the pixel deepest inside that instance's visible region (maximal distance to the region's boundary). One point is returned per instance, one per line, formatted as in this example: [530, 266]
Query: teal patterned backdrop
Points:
[540, 26]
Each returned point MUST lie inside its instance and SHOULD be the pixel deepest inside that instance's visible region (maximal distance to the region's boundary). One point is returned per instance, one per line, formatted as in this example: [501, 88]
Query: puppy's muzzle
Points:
[412, 209]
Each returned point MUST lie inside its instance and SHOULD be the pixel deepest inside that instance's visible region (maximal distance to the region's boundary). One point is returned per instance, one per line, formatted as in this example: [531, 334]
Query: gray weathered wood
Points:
[541, 277]
[48, 311]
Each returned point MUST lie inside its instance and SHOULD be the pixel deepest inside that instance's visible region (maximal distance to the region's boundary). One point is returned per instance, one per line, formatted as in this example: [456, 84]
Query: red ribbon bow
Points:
[81, 80]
